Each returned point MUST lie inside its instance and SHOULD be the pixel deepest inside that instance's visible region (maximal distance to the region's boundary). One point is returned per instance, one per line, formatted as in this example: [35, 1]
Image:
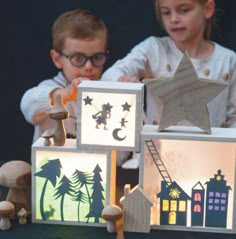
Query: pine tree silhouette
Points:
[80, 197]
[97, 196]
[83, 179]
[65, 187]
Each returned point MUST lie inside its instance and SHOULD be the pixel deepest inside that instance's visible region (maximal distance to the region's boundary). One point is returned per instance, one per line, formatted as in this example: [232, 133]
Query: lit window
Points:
[197, 208]
[210, 200]
[211, 194]
[182, 206]
[217, 195]
[216, 208]
[217, 201]
[223, 195]
[223, 201]
[222, 208]
[165, 205]
[210, 207]
[197, 197]
[173, 205]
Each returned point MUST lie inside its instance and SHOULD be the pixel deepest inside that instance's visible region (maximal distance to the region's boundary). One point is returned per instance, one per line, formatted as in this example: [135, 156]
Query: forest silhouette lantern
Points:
[71, 186]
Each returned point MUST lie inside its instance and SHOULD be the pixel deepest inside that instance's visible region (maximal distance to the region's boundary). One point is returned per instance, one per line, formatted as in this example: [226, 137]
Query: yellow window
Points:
[173, 205]
[182, 206]
[165, 205]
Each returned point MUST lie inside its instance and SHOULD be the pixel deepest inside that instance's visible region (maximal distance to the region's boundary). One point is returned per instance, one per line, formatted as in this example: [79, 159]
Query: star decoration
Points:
[185, 96]
[107, 107]
[126, 106]
[88, 100]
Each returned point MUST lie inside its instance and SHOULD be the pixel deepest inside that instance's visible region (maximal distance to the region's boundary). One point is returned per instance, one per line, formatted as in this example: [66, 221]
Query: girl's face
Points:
[185, 20]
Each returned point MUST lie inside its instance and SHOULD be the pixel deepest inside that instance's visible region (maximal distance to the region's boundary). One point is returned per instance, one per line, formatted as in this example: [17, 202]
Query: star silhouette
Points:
[126, 106]
[87, 100]
[185, 96]
[107, 107]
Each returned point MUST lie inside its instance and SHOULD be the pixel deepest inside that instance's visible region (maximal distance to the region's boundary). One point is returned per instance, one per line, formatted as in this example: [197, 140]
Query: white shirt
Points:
[150, 58]
[35, 104]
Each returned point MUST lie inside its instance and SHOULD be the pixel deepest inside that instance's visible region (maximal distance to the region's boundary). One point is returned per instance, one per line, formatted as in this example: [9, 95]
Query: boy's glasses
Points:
[79, 59]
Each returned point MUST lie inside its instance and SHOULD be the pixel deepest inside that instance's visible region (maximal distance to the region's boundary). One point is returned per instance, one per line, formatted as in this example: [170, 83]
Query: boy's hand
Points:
[128, 79]
[72, 89]
[68, 93]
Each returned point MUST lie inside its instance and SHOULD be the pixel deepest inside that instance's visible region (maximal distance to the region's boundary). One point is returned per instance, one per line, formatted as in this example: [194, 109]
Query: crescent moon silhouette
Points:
[116, 136]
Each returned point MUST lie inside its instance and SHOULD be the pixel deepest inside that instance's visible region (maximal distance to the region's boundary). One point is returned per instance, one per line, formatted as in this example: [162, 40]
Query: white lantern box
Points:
[110, 115]
[190, 176]
[71, 186]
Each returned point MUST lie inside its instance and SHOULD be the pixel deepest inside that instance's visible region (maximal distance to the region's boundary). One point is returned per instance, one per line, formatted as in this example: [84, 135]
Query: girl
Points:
[188, 24]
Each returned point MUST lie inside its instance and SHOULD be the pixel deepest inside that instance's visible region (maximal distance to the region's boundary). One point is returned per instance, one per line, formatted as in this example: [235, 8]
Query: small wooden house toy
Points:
[191, 176]
[137, 209]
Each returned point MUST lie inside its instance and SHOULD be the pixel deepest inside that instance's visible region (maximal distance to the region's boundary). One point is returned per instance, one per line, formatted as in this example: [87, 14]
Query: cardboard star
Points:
[185, 96]
[107, 107]
[126, 106]
[88, 100]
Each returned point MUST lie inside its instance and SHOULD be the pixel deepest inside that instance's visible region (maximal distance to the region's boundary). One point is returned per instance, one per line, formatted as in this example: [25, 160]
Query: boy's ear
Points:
[209, 8]
[56, 58]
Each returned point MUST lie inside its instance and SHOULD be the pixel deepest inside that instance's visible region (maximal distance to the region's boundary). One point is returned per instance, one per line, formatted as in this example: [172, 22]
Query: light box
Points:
[71, 186]
[191, 178]
[110, 115]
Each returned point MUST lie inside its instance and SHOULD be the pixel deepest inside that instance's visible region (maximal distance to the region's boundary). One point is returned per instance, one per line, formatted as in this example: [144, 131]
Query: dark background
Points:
[25, 39]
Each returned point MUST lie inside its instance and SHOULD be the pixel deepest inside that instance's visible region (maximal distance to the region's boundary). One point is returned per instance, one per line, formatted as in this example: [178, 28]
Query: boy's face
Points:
[88, 47]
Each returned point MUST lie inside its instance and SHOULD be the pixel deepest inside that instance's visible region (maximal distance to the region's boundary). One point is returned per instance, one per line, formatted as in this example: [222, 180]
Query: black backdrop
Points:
[25, 42]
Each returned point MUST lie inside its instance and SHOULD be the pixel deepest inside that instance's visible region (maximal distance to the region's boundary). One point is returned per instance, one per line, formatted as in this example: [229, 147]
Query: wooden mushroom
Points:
[16, 176]
[7, 210]
[111, 214]
[22, 215]
[47, 135]
[59, 113]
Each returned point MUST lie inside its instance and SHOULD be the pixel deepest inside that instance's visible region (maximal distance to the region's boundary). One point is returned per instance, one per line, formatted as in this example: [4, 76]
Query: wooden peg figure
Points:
[59, 113]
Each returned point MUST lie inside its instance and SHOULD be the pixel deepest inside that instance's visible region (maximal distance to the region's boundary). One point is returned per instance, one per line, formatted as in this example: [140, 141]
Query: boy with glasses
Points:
[79, 51]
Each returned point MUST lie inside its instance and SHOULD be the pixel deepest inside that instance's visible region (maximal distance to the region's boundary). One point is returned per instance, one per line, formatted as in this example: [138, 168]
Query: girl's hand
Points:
[133, 79]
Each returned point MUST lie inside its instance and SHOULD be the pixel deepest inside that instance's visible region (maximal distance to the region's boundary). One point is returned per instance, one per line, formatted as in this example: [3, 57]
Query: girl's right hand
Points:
[133, 79]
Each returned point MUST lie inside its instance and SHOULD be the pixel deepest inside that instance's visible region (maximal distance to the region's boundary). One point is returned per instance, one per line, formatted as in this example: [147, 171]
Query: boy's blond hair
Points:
[209, 23]
[80, 24]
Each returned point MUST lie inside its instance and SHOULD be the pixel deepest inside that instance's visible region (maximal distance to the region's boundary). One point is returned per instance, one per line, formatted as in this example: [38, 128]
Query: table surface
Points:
[46, 231]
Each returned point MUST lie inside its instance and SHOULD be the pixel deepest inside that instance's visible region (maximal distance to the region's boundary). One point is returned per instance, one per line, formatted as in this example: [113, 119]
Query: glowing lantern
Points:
[71, 186]
[110, 115]
[191, 178]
